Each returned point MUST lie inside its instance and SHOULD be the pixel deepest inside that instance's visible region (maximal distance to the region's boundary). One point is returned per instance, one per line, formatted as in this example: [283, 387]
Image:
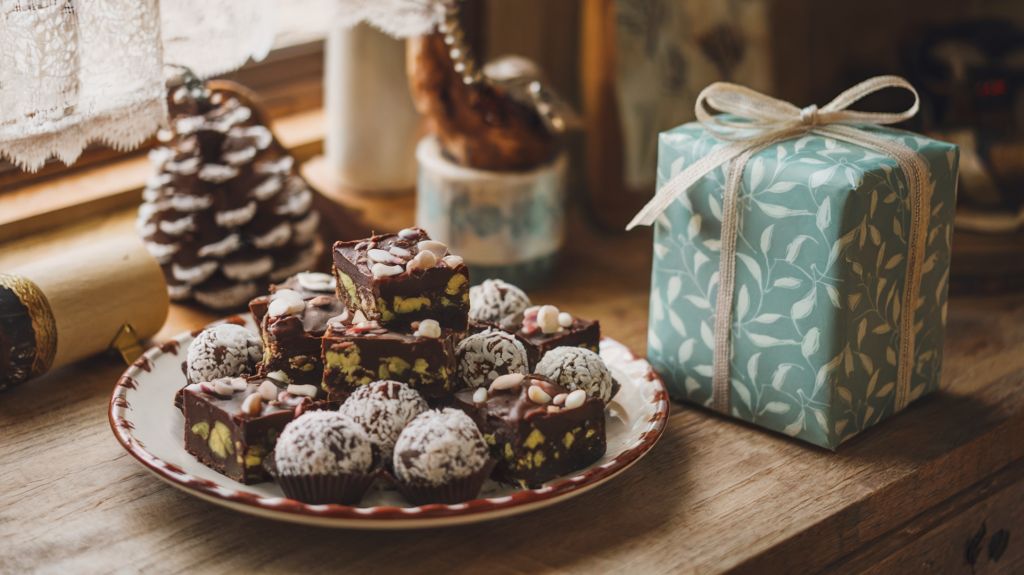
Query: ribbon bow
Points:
[766, 121]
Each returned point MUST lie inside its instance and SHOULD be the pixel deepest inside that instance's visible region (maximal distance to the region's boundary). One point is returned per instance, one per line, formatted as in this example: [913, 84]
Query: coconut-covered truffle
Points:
[383, 409]
[323, 443]
[225, 350]
[495, 300]
[438, 447]
[491, 353]
[578, 368]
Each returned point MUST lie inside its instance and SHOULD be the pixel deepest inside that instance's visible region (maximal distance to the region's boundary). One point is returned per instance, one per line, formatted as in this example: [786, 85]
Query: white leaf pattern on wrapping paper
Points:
[871, 383]
[767, 318]
[652, 339]
[698, 301]
[704, 370]
[853, 300]
[844, 394]
[787, 283]
[660, 251]
[892, 197]
[809, 346]
[707, 335]
[716, 208]
[823, 218]
[752, 367]
[677, 166]
[699, 259]
[820, 177]
[886, 389]
[712, 282]
[897, 229]
[841, 425]
[766, 239]
[674, 285]
[813, 161]
[742, 391]
[756, 172]
[694, 228]
[713, 245]
[780, 187]
[793, 249]
[822, 420]
[865, 360]
[862, 330]
[752, 265]
[890, 356]
[686, 351]
[742, 302]
[833, 294]
[796, 427]
[691, 385]
[656, 308]
[677, 323]
[777, 212]
[802, 308]
[777, 407]
[664, 221]
[768, 341]
[852, 178]
[874, 204]
[779, 377]
[867, 415]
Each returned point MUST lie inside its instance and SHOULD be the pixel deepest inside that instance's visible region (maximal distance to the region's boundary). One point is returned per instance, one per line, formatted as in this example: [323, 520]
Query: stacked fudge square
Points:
[399, 308]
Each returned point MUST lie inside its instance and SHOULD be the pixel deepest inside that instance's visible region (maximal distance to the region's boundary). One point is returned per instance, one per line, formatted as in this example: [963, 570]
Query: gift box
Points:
[821, 257]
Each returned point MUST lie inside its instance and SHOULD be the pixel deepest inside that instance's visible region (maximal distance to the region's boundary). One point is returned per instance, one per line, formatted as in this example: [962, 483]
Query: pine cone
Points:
[225, 212]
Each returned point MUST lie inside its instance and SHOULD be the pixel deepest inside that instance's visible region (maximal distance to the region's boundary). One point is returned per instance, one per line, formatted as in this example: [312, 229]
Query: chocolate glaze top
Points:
[357, 252]
[338, 331]
[515, 404]
[312, 320]
[233, 404]
[537, 337]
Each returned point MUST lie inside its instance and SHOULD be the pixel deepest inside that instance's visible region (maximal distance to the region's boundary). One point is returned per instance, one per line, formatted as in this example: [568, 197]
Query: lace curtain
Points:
[76, 71]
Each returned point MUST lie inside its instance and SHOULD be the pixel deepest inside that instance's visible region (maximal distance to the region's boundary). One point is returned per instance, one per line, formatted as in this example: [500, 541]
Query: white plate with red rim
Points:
[146, 423]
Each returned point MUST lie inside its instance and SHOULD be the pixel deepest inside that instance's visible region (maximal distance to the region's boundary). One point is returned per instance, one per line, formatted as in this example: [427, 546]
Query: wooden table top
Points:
[939, 487]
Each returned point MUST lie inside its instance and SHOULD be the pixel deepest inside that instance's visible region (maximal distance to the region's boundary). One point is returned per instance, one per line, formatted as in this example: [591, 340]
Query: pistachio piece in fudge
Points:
[292, 329]
[537, 429]
[232, 423]
[401, 278]
[357, 355]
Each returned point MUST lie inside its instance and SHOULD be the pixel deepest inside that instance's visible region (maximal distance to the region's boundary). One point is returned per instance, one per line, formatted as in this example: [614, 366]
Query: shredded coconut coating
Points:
[439, 446]
[225, 350]
[491, 353]
[577, 368]
[383, 409]
[323, 443]
[494, 300]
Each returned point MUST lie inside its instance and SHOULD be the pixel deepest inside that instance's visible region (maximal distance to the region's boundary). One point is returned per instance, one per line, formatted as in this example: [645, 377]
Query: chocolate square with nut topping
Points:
[231, 442]
[532, 443]
[362, 354]
[378, 277]
[291, 342]
[581, 333]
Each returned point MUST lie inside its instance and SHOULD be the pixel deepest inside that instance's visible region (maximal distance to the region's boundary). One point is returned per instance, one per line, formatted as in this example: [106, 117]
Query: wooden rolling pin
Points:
[77, 304]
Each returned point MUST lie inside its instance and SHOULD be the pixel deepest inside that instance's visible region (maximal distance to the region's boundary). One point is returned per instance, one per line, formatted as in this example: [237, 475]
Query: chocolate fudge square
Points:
[230, 441]
[308, 285]
[291, 342]
[581, 333]
[533, 444]
[398, 279]
[361, 354]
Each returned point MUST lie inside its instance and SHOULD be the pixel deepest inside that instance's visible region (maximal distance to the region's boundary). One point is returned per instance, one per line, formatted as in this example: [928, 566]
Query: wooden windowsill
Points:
[118, 184]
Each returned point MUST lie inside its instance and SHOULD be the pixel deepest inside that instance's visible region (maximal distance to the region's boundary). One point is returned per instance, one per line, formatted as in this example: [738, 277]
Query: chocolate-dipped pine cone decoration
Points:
[225, 212]
[478, 124]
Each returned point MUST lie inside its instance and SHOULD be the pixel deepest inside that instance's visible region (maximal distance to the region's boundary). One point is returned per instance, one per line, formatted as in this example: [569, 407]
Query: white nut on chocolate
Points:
[575, 399]
[222, 387]
[547, 318]
[285, 306]
[578, 368]
[422, 261]
[304, 390]
[238, 384]
[381, 256]
[565, 319]
[252, 404]
[480, 395]
[553, 408]
[340, 319]
[268, 391]
[538, 395]
[358, 318]
[437, 248]
[409, 234]
[452, 261]
[428, 328]
[507, 381]
[279, 376]
[315, 281]
[494, 300]
[384, 270]
[559, 399]
[400, 252]
[287, 294]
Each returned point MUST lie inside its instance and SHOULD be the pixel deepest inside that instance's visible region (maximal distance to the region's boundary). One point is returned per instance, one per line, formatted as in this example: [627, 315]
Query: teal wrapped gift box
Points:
[820, 270]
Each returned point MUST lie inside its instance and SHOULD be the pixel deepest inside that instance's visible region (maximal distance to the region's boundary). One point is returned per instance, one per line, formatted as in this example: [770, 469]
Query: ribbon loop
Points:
[764, 121]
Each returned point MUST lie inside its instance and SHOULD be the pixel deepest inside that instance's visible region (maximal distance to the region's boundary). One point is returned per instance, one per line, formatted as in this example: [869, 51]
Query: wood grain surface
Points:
[939, 488]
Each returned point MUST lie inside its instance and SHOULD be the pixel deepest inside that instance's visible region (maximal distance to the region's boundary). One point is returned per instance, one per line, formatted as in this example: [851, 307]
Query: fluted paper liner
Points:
[320, 489]
[455, 491]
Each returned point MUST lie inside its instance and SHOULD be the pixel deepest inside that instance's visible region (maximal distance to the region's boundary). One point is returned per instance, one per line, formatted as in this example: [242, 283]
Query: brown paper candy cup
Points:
[455, 491]
[343, 489]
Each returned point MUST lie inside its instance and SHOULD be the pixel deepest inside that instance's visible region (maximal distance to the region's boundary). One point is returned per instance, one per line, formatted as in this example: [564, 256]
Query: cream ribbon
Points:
[766, 122]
